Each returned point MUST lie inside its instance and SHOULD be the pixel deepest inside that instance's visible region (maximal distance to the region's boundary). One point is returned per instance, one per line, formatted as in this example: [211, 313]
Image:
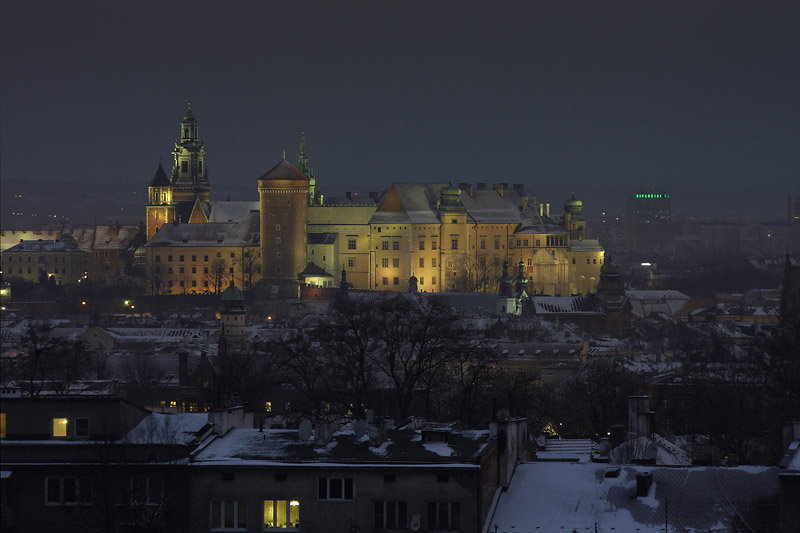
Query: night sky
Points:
[699, 99]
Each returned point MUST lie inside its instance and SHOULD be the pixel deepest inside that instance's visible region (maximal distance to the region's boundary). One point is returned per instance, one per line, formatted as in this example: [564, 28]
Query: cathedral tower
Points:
[283, 194]
[189, 173]
[160, 209]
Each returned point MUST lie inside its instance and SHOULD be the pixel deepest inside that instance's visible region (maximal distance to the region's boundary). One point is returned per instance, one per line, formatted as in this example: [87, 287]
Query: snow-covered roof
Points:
[557, 496]
[231, 211]
[546, 305]
[172, 428]
[403, 446]
[242, 233]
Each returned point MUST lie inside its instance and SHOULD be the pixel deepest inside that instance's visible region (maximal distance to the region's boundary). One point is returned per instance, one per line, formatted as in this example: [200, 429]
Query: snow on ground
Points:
[556, 497]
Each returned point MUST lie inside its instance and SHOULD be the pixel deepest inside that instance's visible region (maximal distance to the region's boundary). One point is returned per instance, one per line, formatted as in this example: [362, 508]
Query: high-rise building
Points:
[647, 222]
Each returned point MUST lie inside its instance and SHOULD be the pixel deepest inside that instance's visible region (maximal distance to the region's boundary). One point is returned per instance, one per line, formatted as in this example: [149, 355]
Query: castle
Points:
[450, 237]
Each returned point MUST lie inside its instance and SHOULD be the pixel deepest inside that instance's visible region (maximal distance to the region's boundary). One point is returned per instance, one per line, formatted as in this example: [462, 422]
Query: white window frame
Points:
[331, 481]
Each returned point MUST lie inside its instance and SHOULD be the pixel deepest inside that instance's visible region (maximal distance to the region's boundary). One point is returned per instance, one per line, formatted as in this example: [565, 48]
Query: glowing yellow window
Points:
[281, 514]
[59, 427]
[268, 407]
[2, 425]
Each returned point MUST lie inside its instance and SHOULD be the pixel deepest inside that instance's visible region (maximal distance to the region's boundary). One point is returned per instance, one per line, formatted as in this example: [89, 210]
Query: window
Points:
[194, 283]
[594, 261]
[395, 245]
[573, 260]
[60, 427]
[281, 514]
[385, 262]
[68, 490]
[449, 264]
[385, 281]
[147, 490]
[351, 262]
[497, 244]
[219, 254]
[278, 255]
[587, 260]
[530, 262]
[384, 245]
[169, 258]
[422, 244]
[194, 270]
[181, 270]
[433, 280]
[396, 281]
[268, 407]
[82, 427]
[454, 221]
[351, 244]
[194, 258]
[422, 262]
[205, 270]
[230, 270]
[185, 166]
[395, 262]
[233, 255]
[97, 254]
[444, 516]
[205, 258]
[433, 262]
[169, 270]
[525, 242]
[228, 514]
[422, 280]
[2, 425]
[277, 227]
[454, 243]
[390, 515]
[335, 488]
[433, 245]
[483, 244]
[180, 258]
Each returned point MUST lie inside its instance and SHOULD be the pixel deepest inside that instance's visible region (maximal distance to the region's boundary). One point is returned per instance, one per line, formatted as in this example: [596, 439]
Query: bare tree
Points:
[246, 260]
[49, 361]
[216, 274]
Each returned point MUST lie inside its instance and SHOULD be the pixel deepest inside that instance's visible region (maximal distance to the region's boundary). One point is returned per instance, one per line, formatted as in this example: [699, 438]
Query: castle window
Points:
[587, 260]
[169, 270]
[385, 281]
[454, 220]
[483, 244]
[181, 283]
[351, 262]
[530, 262]
[573, 260]
[483, 262]
[519, 242]
[278, 255]
[594, 261]
[277, 227]
[278, 241]
[194, 283]
[194, 258]
[231, 270]
[385, 245]
[180, 258]
[205, 258]
[422, 262]
[205, 270]
[200, 167]
[538, 242]
[277, 270]
[395, 245]
[454, 243]
[169, 258]
[385, 262]
[433, 280]
[395, 262]
[525, 242]
[184, 166]
[233, 255]
[422, 280]
[181, 270]
[497, 244]
[433, 262]
[422, 244]
[433, 245]
[351, 244]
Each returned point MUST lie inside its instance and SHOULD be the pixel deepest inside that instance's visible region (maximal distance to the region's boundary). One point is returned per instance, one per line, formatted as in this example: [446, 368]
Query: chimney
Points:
[547, 210]
[500, 188]
[639, 417]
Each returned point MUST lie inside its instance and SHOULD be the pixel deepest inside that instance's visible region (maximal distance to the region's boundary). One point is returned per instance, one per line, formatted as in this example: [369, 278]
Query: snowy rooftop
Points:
[545, 305]
[177, 428]
[403, 446]
[556, 496]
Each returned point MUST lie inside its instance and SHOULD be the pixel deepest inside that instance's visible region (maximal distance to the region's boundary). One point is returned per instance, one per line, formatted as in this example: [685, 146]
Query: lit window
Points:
[60, 427]
[2, 425]
[268, 407]
[228, 515]
[335, 488]
[281, 514]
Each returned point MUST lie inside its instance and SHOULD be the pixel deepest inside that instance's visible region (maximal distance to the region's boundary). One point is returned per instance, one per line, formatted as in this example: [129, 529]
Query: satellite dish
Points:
[304, 431]
[370, 416]
[360, 428]
[416, 522]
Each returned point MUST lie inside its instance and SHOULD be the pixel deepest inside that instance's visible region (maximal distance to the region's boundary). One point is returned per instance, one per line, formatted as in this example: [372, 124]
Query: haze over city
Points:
[606, 99]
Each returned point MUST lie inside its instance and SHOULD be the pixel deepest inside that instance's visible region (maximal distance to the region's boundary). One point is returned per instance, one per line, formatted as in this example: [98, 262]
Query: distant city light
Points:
[646, 264]
[656, 196]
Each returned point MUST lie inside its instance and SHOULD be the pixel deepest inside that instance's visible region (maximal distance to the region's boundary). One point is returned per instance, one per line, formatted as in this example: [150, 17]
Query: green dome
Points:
[232, 299]
[573, 205]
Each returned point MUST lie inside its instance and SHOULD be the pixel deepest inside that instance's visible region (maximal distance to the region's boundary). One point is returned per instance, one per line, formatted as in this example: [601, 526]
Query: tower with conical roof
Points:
[232, 316]
[160, 209]
[283, 195]
[506, 300]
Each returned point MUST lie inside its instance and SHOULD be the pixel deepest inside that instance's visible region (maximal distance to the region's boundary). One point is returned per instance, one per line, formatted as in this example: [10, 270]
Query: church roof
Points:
[231, 211]
[284, 171]
[243, 233]
[160, 178]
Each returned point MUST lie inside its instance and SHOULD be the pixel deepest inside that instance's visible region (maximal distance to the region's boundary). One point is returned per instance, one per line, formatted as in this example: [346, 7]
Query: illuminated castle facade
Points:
[449, 237]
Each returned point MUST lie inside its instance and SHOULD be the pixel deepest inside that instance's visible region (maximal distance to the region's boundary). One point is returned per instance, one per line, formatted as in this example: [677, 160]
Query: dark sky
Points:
[700, 99]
